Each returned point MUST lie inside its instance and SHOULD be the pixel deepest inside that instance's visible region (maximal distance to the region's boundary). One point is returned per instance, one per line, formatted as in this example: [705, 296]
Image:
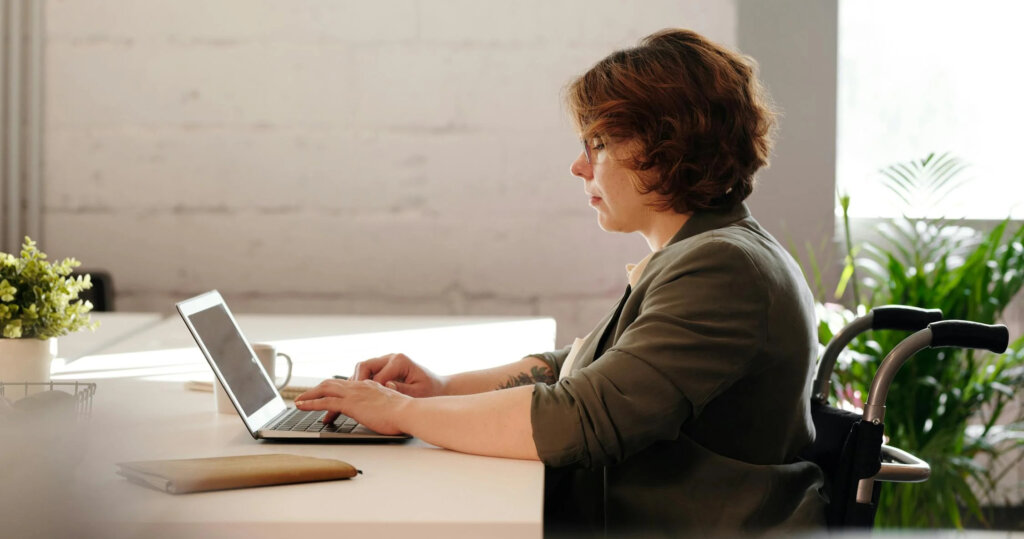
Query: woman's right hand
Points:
[400, 373]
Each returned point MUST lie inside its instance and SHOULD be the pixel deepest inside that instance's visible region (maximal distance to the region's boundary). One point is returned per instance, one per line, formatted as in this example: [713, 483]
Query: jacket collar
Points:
[703, 221]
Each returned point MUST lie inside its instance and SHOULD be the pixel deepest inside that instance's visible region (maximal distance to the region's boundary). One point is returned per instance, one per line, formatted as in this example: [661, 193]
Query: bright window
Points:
[922, 76]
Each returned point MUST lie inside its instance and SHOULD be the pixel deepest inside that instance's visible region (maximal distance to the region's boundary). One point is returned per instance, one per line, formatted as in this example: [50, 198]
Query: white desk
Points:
[142, 411]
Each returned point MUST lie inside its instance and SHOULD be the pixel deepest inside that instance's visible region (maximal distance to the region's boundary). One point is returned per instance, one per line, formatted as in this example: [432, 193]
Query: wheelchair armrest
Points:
[904, 468]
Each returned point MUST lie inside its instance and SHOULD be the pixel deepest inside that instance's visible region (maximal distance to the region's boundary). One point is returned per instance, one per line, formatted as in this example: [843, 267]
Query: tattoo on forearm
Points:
[537, 374]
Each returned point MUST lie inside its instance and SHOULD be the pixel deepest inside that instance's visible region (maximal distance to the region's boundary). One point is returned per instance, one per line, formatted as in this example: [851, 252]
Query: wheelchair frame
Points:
[862, 446]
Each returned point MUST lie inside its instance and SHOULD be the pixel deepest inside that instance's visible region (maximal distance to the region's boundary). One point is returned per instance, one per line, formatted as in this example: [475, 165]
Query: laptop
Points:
[250, 388]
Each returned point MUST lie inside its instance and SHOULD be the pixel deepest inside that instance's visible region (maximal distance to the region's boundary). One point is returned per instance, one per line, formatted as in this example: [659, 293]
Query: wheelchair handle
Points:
[963, 334]
[883, 317]
[905, 318]
[948, 333]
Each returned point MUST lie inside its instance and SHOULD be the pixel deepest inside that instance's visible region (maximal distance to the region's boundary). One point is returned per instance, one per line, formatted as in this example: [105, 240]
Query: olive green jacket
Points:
[685, 412]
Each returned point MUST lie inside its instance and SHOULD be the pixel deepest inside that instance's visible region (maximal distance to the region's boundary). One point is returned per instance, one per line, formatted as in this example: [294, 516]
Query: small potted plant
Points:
[38, 303]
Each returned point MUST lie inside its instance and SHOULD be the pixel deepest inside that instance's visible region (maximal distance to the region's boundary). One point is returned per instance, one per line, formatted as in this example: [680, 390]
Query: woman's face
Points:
[611, 187]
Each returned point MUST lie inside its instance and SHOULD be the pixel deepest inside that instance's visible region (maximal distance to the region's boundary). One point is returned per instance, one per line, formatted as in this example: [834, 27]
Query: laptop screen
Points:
[241, 370]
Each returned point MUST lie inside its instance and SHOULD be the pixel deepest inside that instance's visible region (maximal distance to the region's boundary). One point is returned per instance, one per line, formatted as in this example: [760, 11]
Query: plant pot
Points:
[26, 360]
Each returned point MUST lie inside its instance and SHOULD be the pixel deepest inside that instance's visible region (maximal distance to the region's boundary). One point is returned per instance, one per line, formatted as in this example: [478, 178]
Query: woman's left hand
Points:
[368, 402]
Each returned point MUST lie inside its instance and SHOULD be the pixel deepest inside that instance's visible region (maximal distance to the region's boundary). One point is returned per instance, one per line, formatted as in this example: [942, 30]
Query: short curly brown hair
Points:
[703, 122]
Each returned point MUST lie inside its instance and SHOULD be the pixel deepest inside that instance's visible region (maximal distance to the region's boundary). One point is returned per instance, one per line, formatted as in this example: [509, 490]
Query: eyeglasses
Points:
[597, 143]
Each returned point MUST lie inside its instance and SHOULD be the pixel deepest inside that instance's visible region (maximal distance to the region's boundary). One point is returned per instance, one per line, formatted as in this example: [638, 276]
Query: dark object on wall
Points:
[102, 292]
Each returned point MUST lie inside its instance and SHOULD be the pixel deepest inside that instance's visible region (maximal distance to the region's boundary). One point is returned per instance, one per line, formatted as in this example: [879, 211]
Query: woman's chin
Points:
[607, 224]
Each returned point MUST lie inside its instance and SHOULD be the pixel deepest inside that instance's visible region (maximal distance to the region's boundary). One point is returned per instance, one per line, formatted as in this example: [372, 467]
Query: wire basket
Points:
[81, 391]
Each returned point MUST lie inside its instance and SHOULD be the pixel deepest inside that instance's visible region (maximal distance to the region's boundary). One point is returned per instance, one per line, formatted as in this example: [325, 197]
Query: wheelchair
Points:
[848, 447]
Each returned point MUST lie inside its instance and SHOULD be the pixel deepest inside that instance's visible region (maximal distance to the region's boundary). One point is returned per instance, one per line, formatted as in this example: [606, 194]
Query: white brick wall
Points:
[341, 156]
[403, 156]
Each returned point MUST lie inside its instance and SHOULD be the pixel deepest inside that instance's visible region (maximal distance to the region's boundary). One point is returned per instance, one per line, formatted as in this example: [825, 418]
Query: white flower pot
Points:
[26, 360]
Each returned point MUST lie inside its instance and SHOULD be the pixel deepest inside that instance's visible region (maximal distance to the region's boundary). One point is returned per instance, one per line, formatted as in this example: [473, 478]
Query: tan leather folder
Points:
[217, 473]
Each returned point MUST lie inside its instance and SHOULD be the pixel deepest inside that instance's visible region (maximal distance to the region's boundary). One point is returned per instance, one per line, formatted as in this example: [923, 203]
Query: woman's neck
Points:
[663, 227]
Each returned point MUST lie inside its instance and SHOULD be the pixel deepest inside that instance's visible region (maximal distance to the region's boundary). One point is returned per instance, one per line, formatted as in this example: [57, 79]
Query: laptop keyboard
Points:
[312, 421]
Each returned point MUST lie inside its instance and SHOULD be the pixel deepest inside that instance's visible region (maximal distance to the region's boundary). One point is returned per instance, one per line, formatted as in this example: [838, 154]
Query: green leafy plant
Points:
[947, 406]
[39, 299]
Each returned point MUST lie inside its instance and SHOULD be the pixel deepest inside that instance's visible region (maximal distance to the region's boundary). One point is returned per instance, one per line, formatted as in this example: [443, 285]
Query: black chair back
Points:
[102, 292]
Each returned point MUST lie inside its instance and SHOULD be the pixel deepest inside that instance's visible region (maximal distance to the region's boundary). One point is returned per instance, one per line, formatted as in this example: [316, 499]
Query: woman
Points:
[685, 409]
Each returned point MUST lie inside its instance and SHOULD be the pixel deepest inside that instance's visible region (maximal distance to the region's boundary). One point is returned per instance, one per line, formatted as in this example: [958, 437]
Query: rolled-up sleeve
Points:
[699, 325]
[553, 359]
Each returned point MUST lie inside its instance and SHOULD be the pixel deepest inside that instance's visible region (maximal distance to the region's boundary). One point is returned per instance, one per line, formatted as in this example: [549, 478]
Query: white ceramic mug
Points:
[267, 354]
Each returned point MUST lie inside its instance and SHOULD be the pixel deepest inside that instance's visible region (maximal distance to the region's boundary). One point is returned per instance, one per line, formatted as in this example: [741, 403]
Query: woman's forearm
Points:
[526, 371]
[492, 423]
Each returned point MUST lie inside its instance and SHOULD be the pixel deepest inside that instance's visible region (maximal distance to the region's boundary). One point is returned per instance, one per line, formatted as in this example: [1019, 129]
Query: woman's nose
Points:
[580, 168]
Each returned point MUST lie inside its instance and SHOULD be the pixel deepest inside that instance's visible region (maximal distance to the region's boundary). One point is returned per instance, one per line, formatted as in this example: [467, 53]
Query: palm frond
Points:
[969, 275]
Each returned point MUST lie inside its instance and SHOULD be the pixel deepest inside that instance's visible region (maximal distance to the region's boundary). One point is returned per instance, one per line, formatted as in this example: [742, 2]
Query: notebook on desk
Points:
[247, 384]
